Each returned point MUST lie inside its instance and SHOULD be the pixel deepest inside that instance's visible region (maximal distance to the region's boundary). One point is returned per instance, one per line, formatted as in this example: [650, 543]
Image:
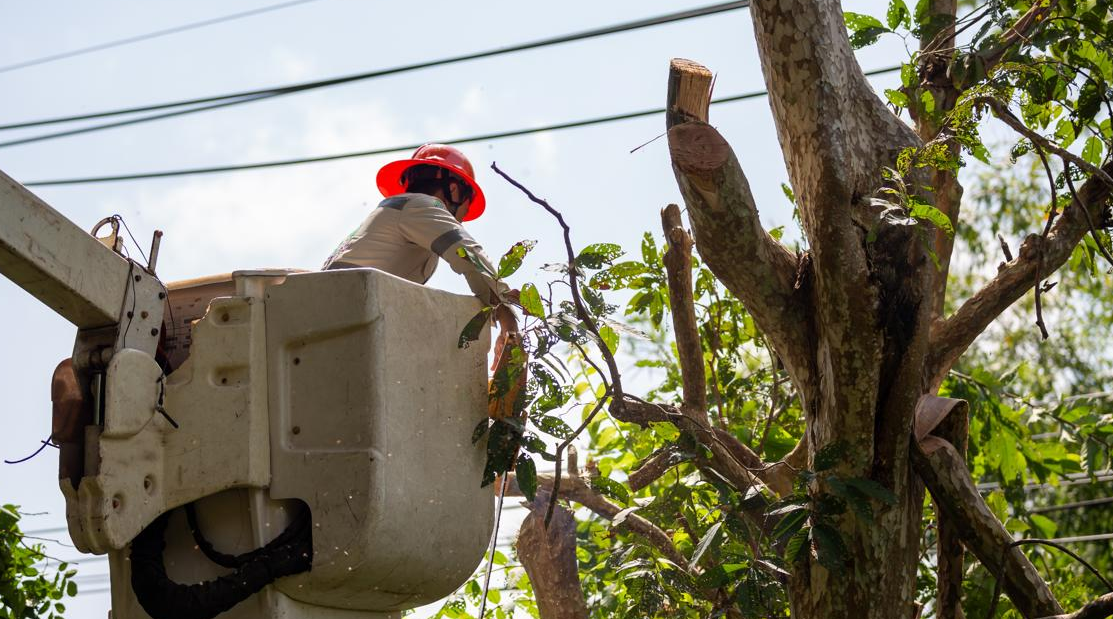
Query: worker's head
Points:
[437, 170]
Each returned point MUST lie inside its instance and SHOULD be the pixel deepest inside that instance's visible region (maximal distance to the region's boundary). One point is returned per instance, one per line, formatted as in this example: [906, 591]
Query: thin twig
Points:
[1002, 112]
[615, 390]
[1052, 212]
[1068, 551]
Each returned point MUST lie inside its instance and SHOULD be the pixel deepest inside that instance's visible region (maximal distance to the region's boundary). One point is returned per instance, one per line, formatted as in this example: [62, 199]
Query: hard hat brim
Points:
[389, 181]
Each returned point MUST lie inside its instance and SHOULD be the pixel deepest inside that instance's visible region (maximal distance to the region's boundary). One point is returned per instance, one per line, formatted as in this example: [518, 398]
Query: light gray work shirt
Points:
[407, 235]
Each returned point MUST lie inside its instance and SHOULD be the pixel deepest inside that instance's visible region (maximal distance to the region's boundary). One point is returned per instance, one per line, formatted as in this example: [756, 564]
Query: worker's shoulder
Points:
[412, 201]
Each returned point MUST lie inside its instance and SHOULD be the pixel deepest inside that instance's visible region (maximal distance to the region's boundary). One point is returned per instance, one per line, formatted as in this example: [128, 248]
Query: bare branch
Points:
[576, 489]
[728, 232]
[678, 267]
[1001, 111]
[1019, 32]
[650, 470]
[945, 474]
[951, 337]
[730, 458]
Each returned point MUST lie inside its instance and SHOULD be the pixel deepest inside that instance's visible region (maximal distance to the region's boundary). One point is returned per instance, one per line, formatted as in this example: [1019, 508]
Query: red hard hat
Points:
[444, 156]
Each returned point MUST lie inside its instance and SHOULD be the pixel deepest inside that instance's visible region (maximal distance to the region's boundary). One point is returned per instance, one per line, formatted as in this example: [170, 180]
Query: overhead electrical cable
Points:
[124, 123]
[266, 93]
[392, 149]
[150, 35]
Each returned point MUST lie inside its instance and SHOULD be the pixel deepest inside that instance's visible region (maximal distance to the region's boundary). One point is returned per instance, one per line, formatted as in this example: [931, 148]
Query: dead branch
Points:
[945, 474]
[577, 490]
[730, 458]
[724, 218]
[678, 268]
[653, 468]
[951, 337]
[548, 555]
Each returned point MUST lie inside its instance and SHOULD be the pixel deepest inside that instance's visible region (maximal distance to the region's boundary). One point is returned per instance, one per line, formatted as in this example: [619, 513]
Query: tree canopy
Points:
[938, 322]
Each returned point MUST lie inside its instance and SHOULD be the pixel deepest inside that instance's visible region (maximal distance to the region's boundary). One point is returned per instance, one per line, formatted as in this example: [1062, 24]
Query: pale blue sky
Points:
[293, 217]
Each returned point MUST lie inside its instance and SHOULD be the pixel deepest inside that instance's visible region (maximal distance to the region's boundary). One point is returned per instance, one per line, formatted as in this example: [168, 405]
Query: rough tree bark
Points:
[858, 332]
[549, 558]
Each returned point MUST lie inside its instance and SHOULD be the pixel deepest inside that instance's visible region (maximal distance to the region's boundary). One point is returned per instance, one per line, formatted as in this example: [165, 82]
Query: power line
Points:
[1074, 505]
[390, 149]
[133, 121]
[150, 35]
[266, 93]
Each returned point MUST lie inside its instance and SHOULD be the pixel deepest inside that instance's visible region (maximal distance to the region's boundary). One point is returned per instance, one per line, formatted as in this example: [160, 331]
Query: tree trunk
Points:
[855, 339]
[549, 558]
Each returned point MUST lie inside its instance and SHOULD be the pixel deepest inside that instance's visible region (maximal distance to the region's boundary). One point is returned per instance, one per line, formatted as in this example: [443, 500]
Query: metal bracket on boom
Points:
[114, 301]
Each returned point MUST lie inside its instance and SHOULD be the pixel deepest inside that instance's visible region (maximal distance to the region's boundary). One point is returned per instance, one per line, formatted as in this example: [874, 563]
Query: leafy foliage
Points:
[29, 587]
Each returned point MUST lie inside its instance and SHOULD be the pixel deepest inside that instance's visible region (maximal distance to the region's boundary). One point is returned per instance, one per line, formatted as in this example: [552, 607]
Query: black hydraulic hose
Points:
[163, 598]
[297, 526]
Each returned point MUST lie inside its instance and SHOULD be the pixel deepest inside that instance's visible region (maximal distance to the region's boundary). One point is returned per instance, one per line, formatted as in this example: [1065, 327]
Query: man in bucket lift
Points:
[428, 196]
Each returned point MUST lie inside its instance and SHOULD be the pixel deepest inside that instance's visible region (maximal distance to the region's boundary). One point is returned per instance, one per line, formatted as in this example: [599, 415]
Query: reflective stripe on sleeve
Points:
[446, 240]
[395, 203]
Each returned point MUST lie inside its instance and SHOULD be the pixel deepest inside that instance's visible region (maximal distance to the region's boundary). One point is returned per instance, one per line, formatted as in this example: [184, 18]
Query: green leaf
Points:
[907, 75]
[530, 301]
[611, 488]
[598, 255]
[898, 15]
[872, 489]
[479, 263]
[922, 211]
[1089, 102]
[788, 193]
[474, 328]
[502, 446]
[618, 276]
[927, 101]
[1065, 132]
[1045, 525]
[650, 255]
[526, 475]
[830, 455]
[829, 547]
[710, 538]
[1092, 151]
[790, 524]
[553, 425]
[665, 430]
[610, 338]
[896, 97]
[864, 29]
[512, 260]
[798, 546]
